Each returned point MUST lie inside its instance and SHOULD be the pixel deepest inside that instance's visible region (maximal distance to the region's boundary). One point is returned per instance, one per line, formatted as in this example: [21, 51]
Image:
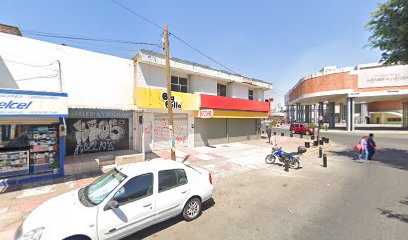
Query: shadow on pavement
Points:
[391, 214]
[389, 156]
[166, 224]
[68, 178]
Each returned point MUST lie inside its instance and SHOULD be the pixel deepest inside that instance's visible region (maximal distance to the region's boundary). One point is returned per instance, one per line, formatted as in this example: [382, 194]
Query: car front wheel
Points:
[192, 209]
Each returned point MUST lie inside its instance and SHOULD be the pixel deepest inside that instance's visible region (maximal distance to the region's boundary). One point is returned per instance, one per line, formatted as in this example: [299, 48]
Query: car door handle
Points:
[183, 192]
[112, 230]
[147, 205]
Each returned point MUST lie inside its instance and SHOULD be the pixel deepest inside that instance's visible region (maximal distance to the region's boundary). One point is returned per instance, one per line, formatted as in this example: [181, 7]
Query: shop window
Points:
[178, 84]
[28, 148]
[251, 94]
[221, 90]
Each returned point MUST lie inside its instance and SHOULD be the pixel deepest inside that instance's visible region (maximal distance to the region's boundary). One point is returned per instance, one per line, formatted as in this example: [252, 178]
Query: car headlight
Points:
[33, 234]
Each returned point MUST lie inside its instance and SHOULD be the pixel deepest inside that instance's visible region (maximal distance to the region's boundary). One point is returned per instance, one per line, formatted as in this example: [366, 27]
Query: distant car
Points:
[300, 128]
[121, 202]
[283, 121]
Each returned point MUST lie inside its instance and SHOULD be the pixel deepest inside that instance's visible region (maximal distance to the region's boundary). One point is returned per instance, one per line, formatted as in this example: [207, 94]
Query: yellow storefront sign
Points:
[156, 98]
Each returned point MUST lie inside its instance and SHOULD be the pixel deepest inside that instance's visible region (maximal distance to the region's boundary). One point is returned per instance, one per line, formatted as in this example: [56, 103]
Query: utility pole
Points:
[169, 97]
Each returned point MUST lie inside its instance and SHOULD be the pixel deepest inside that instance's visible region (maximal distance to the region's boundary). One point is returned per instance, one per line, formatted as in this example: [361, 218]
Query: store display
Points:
[43, 148]
[13, 163]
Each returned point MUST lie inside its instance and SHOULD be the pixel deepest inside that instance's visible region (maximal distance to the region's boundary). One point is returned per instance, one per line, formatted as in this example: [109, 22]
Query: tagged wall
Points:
[96, 135]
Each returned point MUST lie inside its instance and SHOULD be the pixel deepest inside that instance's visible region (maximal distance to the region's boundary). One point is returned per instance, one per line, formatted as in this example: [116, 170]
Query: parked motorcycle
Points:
[279, 154]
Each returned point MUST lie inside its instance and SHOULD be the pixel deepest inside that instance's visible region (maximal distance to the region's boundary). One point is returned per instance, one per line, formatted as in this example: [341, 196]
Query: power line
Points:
[31, 65]
[73, 37]
[175, 36]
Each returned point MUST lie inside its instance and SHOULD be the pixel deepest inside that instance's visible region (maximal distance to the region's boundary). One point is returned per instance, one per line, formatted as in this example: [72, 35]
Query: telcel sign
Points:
[16, 102]
[15, 105]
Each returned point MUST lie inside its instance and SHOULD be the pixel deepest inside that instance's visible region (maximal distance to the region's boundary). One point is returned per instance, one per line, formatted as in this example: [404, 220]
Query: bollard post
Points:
[274, 133]
[291, 135]
[312, 137]
[282, 134]
[326, 140]
[315, 143]
[325, 160]
[320, 152]
[307, 144]
[301, 135]
[321, 142]
[286, 164]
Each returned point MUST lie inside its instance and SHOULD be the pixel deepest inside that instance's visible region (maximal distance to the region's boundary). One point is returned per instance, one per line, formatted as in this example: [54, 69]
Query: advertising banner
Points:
[26, 103]
[383, 76]
[156, 98]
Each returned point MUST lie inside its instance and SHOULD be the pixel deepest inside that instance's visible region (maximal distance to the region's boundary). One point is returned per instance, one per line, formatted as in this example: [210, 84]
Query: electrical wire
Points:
[175, 36]
[74, 37]
[103, 46]
[30, 65]
[37, 77]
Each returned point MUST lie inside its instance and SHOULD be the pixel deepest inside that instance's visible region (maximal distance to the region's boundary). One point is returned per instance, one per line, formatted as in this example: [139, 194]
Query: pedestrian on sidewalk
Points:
[269, 133]
[371, 146]
[364, 150]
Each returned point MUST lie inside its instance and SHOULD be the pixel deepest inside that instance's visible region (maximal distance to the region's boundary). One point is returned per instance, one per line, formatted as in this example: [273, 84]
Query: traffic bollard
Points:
[307, 144]
[321, 142]
[326, 140]
[287, 165]
[274, 133]
[325, 160]
[282, 134]
[291, 135]
[320, 152]
[301, 135]
[312, 137]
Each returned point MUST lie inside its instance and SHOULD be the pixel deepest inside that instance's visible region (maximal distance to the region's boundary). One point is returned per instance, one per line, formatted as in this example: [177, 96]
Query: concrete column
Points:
[287, 113]
[350, 114]
[316, 113]
[321, 109]
[405, 114]
[363, 113]
[292, 116]
[307, 113]
[331, 114]
[297, 112]
[343, 109]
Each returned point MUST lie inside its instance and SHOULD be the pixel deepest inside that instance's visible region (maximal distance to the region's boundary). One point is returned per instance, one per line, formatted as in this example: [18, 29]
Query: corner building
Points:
[365, 94]
[210, 106]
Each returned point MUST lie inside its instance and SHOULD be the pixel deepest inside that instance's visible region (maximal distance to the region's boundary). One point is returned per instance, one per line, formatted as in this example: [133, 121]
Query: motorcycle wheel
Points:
[295, 163]
[269, 159]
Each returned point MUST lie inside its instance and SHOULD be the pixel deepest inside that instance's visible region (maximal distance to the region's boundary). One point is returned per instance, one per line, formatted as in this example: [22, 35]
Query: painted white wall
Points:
[236, 90]
[155, 76]
[259, 95]
[90, 79]
[205, 85]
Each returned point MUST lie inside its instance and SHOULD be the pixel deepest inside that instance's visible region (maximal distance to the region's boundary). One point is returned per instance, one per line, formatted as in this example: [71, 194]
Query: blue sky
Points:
[275, 41]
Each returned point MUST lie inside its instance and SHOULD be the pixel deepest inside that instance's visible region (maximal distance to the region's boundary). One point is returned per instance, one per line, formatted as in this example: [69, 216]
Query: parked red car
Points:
[283, 121]
[300, 128]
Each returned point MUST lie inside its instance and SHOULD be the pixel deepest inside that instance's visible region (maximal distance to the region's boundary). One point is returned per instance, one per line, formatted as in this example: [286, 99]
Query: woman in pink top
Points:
[364, 149]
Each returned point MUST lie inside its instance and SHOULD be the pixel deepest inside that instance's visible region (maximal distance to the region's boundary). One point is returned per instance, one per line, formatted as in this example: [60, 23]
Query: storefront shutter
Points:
[161, 132]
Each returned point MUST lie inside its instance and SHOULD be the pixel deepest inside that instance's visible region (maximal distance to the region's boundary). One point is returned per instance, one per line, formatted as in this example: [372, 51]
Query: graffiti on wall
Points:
[162, 132]
[97, 135]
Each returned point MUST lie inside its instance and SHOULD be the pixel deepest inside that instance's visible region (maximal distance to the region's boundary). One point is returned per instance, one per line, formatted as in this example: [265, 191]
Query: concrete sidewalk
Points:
[222, 160]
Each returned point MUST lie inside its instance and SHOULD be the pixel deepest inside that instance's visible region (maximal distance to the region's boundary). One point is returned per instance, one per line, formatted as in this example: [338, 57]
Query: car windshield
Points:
[97, 191]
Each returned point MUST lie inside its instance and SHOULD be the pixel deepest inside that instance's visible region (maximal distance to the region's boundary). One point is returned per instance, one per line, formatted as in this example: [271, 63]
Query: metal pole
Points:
[325, 160]
[169, 97]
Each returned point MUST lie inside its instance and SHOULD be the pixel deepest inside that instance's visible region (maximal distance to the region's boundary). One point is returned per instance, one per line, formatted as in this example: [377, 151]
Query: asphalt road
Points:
[348, 200]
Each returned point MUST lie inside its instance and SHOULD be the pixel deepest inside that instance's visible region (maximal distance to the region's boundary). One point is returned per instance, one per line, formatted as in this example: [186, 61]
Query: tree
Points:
[389, 27]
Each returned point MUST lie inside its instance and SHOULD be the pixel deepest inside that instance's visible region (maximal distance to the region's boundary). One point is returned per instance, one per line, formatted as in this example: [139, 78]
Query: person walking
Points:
[371, 146]
[269, 133]
[364, 150]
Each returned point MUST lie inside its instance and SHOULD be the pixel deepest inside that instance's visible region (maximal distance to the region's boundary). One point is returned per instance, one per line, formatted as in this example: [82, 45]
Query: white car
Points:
[121, 202]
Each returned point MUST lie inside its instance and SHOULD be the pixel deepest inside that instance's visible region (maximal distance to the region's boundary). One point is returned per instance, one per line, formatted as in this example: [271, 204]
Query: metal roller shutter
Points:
[161, 132]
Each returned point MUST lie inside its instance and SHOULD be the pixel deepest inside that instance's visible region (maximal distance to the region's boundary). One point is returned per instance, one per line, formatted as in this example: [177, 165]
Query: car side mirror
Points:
[111, 205]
